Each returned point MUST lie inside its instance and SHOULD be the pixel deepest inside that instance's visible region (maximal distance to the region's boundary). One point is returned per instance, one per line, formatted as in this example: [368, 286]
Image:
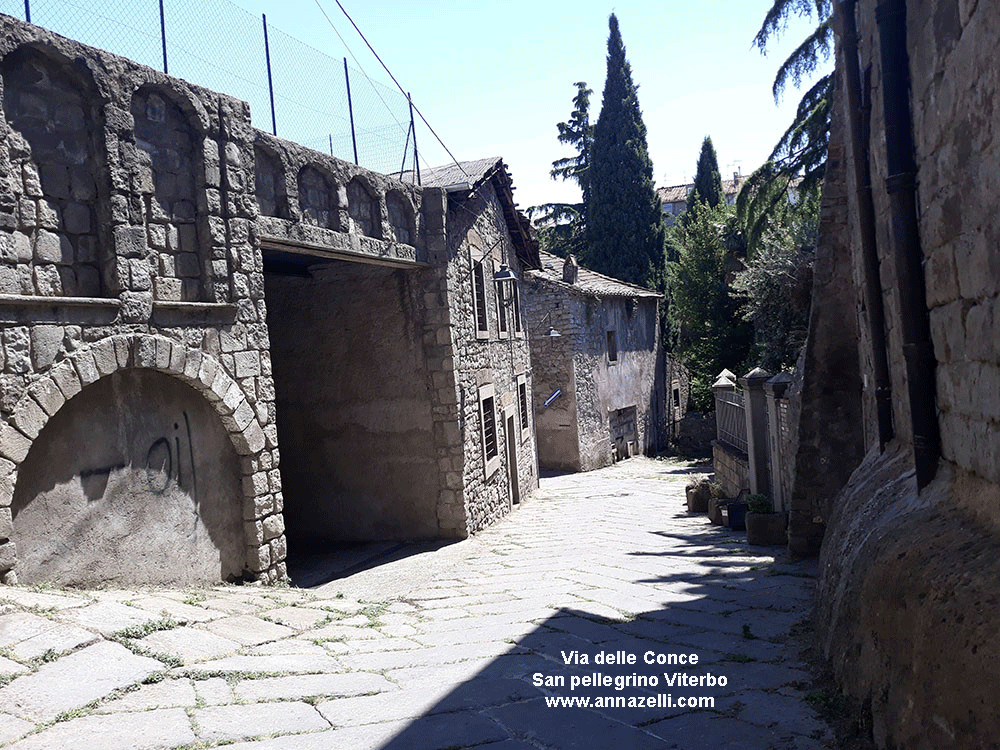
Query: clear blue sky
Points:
[493, 78]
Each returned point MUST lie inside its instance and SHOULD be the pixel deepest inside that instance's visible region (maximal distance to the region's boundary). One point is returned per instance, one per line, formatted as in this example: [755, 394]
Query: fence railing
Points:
[752, 418]
[730, 419]
[294, 90]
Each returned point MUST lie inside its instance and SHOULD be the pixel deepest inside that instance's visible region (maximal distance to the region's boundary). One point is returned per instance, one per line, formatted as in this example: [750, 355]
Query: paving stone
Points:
[214, 691]
[12, 727]
[236, 722]
[41, 600]
[190, 644]
[150, 730]
[27, 635]
[289, 647]
[250, 631]
[108, 617]
[163, 694]
[278, 664]
[705, 729]
[179, 611]
[74, 680]
[299, 618]
[304, 686]
[9, 667]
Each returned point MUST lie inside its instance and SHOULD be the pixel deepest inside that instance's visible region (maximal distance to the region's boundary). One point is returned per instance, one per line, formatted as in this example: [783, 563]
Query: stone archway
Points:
[119, 425]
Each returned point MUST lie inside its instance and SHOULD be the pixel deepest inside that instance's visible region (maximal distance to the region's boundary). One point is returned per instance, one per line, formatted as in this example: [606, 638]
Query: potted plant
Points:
[737, 511]
[764, 526]
[717, 503]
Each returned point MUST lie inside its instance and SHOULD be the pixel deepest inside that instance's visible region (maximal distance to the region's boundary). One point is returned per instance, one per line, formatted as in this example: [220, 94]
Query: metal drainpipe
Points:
[859, 125]
[918, 349]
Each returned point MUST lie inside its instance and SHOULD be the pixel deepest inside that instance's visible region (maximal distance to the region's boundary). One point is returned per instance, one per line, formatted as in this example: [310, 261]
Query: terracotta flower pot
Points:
[767, 528]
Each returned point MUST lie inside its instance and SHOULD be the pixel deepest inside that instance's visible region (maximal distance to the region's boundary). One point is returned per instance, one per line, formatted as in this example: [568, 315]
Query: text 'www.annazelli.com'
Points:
[663, 700]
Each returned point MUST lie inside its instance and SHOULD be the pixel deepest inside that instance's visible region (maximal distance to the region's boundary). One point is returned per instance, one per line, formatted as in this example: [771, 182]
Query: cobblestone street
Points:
[440, 649]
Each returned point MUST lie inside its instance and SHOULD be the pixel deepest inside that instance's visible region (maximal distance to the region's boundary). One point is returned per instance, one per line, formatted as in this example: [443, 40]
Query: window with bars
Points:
[522, 402]
[488, 427]
[501, 308]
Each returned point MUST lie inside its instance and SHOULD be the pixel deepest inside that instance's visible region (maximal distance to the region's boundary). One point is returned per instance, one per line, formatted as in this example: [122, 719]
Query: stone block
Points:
[49, 215]
[105, 356]
[254, 532]
[130, 241]
[243, 416]
[253, 437]
[65, 376]
[136, 307]
[47, 281]
[279, 549]
[273, 527]
[10, 280]
[168, 289]
[53, 248]
[86, 367]
[247, 364]
[13, 444]
[140, 276]
[256, 484]
[76, 219]
[259, 558]
[48, 395]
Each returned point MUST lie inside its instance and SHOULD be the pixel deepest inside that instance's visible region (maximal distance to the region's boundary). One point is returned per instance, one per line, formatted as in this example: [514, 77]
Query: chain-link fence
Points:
[220, 46]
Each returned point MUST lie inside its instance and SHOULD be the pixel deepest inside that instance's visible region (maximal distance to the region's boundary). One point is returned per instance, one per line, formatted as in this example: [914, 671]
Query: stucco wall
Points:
[908, 578]
[353, 413]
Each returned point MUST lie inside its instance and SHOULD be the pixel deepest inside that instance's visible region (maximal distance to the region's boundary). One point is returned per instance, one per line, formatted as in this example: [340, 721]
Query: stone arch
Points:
[169, 175]
[318, 197]
[269, 183]
[400, 212]
[57, 155]
[46, 397]
[363, 208]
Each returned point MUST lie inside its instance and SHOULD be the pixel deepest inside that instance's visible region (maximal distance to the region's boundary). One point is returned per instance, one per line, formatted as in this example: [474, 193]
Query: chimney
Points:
[570, 269]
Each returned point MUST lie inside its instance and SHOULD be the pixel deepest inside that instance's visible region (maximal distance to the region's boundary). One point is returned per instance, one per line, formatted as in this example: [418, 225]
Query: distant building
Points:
[673, 199]
[597, 366]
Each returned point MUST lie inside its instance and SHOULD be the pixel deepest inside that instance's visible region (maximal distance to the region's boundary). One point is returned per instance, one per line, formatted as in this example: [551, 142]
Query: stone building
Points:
[177, 289]
[898, 465]
[598, 366]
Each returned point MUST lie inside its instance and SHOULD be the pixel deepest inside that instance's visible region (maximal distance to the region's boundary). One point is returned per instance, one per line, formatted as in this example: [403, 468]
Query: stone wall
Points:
[125, 223]
[909, 579]
[731, 467]
[602, 400]
[477, 233]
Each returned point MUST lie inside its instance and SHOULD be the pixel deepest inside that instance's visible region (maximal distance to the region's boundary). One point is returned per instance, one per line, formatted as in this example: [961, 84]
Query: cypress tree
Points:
[624, 226]
[707, 182]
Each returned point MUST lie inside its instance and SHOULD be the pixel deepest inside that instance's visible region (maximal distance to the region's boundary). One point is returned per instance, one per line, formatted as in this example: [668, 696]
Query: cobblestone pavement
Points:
[440, 649]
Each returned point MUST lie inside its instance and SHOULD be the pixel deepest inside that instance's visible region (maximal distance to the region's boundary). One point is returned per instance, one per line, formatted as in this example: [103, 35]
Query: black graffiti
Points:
[164, 464]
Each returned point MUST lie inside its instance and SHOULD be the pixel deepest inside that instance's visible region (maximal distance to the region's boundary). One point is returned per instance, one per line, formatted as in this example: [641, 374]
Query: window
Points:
[522, 403]
[516, 310]
[488, 429]
[400, 217]
[479, 297]
[612, 346]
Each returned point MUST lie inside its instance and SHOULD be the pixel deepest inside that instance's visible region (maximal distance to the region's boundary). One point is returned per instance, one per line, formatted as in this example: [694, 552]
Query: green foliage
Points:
[775, 288]
[798, 160]
[624, 226]
[562, 226]
[704, 324]
[707, 182]
[758, 503]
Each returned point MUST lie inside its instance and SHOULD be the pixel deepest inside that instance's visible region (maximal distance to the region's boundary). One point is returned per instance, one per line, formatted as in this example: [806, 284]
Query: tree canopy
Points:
[624, 225]
[707, 181]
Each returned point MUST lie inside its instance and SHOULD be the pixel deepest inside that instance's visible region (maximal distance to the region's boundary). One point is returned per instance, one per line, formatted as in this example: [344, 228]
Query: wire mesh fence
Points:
[218, 45]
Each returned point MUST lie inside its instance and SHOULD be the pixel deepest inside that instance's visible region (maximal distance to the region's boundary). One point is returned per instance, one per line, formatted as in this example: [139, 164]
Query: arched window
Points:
[269, 184]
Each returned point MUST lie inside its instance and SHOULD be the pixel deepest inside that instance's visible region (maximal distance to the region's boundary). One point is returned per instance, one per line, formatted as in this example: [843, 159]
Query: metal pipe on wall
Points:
[859, 126]
[918, 349]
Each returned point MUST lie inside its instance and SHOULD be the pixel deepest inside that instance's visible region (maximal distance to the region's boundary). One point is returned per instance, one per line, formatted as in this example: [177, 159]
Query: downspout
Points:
[918, 349]
[859, 126]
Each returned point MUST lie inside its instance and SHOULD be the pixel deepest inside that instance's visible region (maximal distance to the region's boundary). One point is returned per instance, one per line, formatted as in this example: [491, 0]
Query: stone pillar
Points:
[755, 409]
[775, 390]
[726, 382]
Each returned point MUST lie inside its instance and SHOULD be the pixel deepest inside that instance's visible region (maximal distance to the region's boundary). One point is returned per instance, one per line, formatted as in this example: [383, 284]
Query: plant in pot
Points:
[764, 525]
[716, 503]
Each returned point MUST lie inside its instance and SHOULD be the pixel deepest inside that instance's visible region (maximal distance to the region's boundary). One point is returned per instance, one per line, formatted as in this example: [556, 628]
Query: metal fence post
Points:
[350, 111]
[270, 81]
[163, 37]
[27, 10]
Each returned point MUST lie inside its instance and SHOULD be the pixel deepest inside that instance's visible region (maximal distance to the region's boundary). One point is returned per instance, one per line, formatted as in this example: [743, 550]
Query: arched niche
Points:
[166, 176]
[269, 183]
[363, 207]
[58, 175]
[400, 212]
[318, 198]
[134, 480]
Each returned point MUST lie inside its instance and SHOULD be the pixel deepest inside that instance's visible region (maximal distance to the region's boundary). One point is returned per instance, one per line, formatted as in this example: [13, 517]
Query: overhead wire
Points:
[386, 68]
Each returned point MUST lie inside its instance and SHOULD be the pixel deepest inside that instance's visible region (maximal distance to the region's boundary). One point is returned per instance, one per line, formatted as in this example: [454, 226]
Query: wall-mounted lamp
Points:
[553, 333]
[506, 281]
